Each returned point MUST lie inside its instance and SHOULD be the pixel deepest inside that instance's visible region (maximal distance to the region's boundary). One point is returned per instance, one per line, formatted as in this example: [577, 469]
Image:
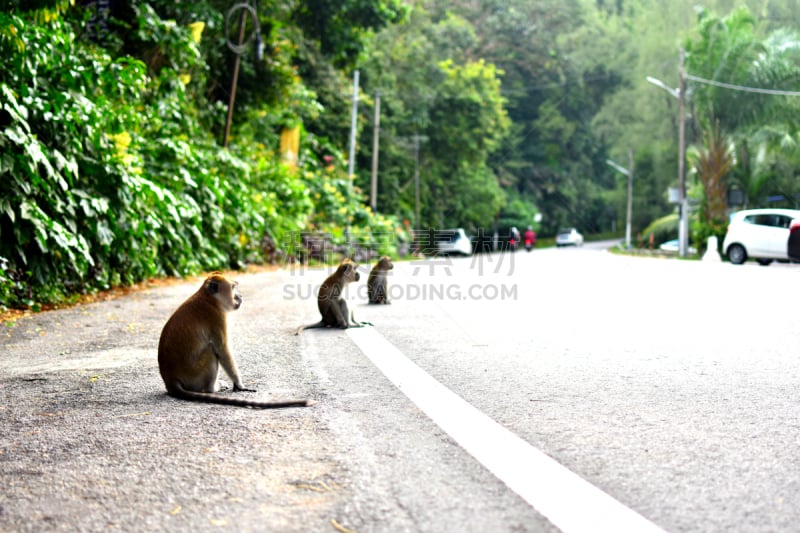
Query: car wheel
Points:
[737, 254]
[764, 262]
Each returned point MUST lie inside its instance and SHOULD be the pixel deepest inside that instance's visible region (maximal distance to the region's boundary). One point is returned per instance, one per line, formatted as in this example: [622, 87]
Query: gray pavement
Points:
[91, 442]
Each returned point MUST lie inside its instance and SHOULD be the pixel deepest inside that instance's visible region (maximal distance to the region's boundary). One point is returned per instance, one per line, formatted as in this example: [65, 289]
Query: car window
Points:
[448, 235]
[769, 219]
[759, 220]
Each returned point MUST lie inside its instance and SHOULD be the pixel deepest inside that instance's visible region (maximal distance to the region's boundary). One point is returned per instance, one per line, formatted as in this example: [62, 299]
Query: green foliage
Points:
[109, 132]
[741, 130]
[449, 109]
[467, 122]
[727, 49]
[662, 229]
[545, 152]
[41, 11]
[52, 126]
[518, 212]
[339, 26]
[111, 177]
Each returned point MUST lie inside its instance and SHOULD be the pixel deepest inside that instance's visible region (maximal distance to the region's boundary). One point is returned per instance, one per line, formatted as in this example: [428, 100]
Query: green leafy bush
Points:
[110, 176]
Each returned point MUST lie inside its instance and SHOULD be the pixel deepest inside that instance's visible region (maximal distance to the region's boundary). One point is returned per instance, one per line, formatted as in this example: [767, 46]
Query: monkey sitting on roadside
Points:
[194, 343]
[332, 306]
[377, 286]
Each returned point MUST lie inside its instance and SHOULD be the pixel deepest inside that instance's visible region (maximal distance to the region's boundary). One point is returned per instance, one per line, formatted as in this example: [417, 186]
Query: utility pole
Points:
[416, 182]
[683, 201]
[373, 201]
[629, 213]
[351, 163]
[629, 173]
[683, 230]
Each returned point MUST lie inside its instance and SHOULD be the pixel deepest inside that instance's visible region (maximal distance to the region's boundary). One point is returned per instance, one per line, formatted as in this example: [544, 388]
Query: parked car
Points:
[569, 237]
[760, 234]
[453, 241]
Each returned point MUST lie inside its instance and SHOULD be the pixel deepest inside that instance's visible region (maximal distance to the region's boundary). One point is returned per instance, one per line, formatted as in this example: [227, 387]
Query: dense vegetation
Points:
[117, 164]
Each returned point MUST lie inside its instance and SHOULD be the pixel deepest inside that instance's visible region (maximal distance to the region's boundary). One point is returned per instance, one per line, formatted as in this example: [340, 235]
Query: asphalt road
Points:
[670, 386]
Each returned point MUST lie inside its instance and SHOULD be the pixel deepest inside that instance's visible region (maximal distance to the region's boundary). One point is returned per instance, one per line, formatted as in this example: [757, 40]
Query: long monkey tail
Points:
[320, 324]
[208, 397]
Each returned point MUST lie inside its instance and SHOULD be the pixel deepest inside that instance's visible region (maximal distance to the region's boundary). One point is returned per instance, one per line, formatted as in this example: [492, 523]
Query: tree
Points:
[467, 122]
[729, 54]
[340, 27]
[713, 163]
[456, 107]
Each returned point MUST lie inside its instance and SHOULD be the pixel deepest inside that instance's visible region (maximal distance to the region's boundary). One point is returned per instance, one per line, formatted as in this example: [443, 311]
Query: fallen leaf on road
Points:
[340, 527]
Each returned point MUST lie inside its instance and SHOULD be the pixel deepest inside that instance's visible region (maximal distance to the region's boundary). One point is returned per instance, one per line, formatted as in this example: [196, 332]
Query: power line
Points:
[741, 87]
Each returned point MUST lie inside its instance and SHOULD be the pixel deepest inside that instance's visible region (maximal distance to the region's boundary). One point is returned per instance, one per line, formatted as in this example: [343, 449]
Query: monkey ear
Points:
[212, 287]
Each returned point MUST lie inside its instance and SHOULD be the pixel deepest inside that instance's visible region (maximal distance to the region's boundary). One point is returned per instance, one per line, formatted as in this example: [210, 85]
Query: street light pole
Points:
[417, 223]
[680, 94]
[351, 159]
[373, 193]
[683, 230]
[629, 211]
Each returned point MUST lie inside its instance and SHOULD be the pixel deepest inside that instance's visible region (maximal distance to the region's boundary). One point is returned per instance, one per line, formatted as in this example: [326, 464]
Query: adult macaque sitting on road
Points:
[332, 305]
[377, 285]
[194, 343]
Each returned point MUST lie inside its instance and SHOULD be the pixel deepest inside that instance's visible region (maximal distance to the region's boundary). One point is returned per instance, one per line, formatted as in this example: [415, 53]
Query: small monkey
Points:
[332, 306]
[194, 343]
[377, 286]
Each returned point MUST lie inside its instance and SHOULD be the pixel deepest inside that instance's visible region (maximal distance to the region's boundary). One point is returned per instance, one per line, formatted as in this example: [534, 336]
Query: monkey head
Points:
[349, 271]
[224, 291]
[385, 263]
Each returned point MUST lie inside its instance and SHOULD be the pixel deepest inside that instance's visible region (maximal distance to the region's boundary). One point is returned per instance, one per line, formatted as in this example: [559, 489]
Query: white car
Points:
[569, 237]
[453, 241]
[759, 234]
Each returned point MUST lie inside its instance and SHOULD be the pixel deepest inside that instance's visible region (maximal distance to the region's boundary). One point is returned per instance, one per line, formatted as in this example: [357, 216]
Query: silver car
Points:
[453, 241]
[569, 237]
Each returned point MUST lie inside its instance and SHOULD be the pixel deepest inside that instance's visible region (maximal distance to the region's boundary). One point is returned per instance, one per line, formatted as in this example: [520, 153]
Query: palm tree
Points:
[713, 163]
[724, 64]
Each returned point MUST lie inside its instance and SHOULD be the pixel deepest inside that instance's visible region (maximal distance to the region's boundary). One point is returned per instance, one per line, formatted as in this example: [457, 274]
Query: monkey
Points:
[332, 306]
[377, 288]
[194, 343]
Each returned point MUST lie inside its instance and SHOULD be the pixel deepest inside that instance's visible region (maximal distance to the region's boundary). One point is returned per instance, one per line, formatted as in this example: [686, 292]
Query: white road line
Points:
[569, 502]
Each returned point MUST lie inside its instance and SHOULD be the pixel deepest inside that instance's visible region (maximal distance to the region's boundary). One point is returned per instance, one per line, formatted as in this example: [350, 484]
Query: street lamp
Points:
[629, 213]
[680, 94]
[239, 49]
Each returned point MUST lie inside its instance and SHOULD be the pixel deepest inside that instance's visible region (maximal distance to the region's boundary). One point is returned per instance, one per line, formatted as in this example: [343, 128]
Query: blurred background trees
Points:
[113, 117]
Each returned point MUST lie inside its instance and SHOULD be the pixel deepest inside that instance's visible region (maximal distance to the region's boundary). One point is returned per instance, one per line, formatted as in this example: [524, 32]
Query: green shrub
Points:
[110, 177]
